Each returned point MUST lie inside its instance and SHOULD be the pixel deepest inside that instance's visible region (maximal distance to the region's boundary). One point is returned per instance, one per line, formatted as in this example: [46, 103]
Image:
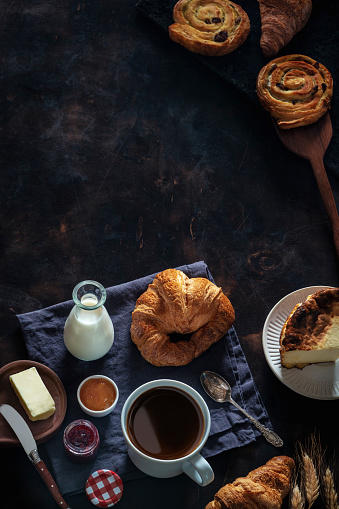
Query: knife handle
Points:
[50, 483]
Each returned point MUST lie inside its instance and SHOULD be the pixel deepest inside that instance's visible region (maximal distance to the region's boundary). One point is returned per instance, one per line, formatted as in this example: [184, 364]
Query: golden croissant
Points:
[280, 21]
[175, 303]
[263, 488]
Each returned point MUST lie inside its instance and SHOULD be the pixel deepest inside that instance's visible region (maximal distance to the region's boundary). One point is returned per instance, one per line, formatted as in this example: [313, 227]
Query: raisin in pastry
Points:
[209, 27]
[295, 89]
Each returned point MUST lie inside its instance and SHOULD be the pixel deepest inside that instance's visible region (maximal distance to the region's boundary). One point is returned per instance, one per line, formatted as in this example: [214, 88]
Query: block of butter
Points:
[33, 394]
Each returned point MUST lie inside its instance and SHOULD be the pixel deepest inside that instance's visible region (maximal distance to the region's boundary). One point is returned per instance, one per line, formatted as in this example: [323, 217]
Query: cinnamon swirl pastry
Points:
[209, 27]
[295, 89]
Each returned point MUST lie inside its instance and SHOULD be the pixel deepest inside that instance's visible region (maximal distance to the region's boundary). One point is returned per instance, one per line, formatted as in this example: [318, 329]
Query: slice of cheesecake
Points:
[311, 332]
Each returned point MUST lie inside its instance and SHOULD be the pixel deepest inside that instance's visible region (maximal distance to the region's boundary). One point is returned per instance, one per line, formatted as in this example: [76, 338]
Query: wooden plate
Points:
[42, 430]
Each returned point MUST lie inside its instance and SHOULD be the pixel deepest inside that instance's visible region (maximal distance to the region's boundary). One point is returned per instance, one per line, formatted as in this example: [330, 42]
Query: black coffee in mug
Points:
[165, 423]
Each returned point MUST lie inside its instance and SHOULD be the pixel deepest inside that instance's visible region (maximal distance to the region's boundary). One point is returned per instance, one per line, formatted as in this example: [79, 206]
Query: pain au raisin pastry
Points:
[280, 21]
[175, 303]
[311, 332]
[209, 27]
[263, 488]
[295, 89]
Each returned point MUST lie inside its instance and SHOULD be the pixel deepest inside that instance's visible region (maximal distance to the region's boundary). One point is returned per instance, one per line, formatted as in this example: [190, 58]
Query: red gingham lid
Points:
[104, 488]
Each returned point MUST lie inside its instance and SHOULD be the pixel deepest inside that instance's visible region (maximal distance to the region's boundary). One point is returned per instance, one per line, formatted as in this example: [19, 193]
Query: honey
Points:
[97, 394]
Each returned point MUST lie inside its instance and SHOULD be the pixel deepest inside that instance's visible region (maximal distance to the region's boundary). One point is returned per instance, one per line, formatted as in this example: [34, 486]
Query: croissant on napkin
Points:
[175, 303]
[280, 21]
[263, 488]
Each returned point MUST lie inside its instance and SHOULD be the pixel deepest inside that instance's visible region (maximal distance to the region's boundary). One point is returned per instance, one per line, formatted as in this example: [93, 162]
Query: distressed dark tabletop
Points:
[122, 154]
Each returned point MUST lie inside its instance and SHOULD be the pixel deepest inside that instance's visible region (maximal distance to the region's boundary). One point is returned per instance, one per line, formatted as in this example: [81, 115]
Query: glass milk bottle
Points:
[88, 332]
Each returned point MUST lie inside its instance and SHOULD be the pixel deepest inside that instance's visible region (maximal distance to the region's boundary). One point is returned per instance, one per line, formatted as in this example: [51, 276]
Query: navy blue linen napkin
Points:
[43, 334]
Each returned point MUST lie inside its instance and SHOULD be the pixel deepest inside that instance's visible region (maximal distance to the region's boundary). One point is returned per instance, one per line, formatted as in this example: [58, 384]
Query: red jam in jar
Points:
[81, 441]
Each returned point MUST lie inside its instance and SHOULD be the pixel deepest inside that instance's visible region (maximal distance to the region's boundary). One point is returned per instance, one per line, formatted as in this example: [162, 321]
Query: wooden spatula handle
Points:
[327, 197]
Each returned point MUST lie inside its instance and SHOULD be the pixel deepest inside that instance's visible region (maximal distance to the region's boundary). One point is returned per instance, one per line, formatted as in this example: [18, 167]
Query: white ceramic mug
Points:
[194, 465]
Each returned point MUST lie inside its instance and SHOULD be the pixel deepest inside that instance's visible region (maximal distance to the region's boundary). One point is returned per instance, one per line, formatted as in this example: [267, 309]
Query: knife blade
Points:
[25, 436]
[20, 428]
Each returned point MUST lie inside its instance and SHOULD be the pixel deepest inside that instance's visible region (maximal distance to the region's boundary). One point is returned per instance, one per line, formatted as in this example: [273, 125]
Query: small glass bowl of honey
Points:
[97, 395]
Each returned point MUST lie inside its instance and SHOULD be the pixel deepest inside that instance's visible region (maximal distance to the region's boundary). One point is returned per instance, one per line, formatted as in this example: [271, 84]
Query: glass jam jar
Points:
[81, 441]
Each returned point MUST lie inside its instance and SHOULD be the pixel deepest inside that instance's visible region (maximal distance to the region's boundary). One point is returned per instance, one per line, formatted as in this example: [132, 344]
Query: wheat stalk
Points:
[330, 494]
[317, 476]
[296, 499]
[310, 479]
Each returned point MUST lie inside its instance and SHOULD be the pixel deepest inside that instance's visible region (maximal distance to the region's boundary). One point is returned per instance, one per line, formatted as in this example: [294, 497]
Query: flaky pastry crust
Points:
[263, 488]
[280, 21]
[295, 89]
[209, 27]
[174, 303]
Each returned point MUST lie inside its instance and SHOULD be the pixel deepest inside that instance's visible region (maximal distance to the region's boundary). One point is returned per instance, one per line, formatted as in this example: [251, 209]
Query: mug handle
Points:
[198, 469]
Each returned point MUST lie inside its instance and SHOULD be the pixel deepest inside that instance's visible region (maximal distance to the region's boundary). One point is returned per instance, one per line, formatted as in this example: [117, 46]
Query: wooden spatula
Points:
[311, 142]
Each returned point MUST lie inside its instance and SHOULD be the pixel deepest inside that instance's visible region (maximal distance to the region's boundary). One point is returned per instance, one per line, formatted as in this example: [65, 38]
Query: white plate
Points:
[317, 381]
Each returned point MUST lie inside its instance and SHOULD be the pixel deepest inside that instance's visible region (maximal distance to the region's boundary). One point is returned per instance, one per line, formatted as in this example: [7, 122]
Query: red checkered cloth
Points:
[104, 488]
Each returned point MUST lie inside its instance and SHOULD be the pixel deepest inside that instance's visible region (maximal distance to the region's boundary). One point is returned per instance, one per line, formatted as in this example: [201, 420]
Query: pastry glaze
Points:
[295, 89]
[280, 21]
[209, 27]
[263, 488]
[174, 303]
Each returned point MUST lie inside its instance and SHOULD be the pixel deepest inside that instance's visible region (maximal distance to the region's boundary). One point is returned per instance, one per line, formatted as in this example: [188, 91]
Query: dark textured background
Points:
[319, 39]
[122, 154]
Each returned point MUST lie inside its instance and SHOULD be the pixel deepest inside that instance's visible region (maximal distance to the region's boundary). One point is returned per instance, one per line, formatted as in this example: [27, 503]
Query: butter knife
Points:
[25, 436]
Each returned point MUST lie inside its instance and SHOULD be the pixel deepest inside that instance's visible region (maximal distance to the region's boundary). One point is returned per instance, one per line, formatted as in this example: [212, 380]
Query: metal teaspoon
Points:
[220, 390]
